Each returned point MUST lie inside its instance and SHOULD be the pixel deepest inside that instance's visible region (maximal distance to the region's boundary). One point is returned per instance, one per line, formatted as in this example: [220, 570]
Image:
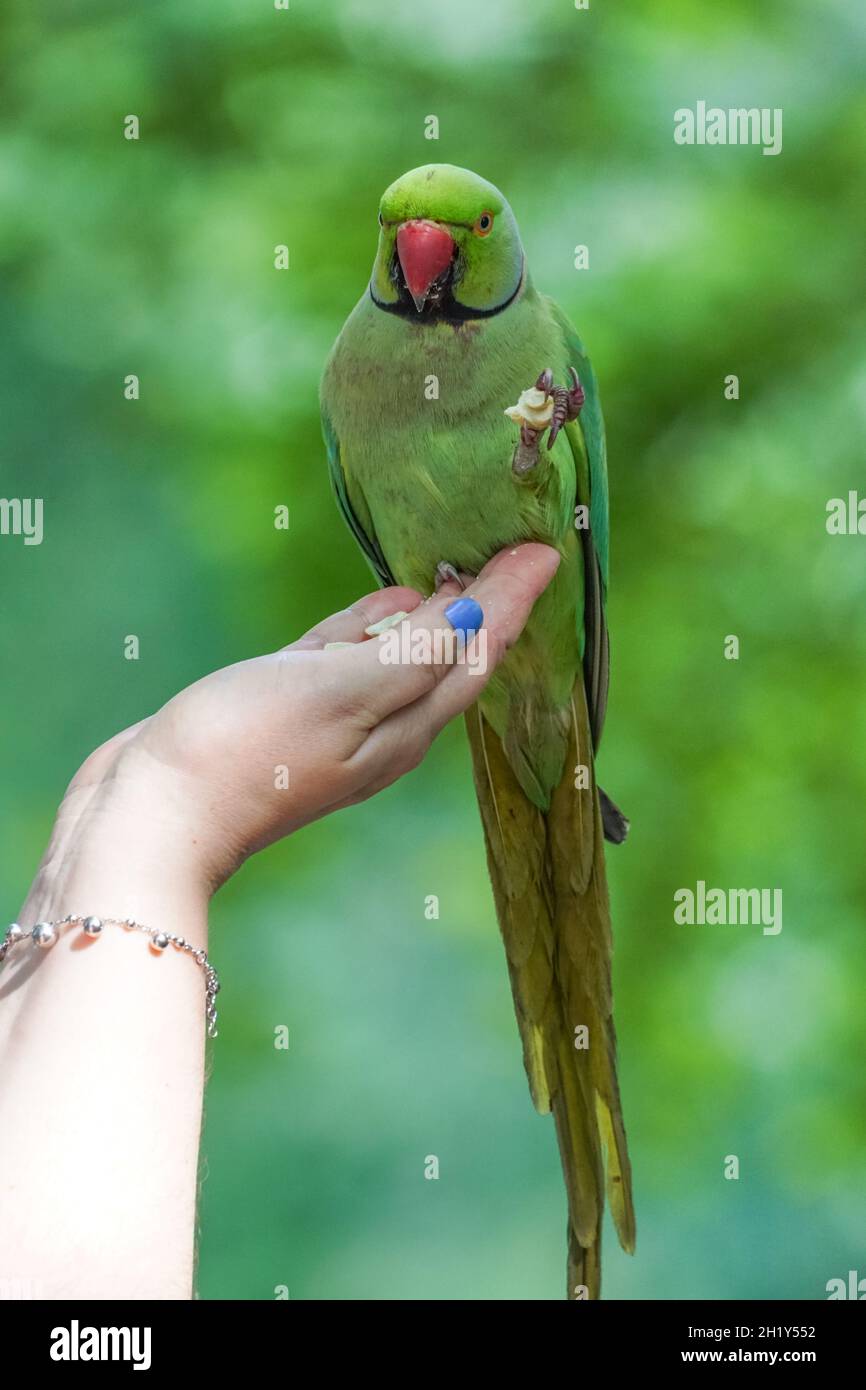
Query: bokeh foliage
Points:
[261, 127]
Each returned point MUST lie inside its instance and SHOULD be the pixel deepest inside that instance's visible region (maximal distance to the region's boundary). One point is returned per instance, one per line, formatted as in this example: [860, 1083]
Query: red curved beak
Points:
[425, 250]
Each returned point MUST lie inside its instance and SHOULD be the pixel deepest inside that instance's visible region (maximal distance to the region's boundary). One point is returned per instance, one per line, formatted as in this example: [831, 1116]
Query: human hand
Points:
[251, 752]
[153, 821]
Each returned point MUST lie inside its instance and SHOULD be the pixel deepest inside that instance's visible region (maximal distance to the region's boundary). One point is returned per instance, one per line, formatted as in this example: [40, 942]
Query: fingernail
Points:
[465, 616]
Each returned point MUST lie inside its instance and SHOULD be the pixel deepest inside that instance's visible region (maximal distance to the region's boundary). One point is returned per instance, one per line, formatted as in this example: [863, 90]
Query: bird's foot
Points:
[568, 401]
[543, 406]
[446, 572]
[525, 456]
[614, 823]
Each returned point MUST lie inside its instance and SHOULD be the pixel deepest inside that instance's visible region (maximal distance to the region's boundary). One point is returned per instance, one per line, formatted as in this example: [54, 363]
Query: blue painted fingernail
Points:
[465, 616]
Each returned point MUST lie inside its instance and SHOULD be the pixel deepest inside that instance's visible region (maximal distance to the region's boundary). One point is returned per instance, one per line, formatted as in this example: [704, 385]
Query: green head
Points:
[449, 247]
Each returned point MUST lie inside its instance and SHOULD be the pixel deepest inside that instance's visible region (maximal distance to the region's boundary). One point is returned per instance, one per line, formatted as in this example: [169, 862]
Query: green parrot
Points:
[431, 479]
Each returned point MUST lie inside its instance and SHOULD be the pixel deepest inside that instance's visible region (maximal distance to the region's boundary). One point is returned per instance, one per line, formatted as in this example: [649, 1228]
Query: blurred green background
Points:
[261, 127]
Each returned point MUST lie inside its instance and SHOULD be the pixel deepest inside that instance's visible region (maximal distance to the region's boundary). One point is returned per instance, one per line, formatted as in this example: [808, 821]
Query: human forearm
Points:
[102, 1041]
[102, 1061]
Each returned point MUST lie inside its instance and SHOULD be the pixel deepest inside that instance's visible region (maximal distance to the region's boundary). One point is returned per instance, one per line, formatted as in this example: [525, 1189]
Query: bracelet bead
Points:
[46, 934]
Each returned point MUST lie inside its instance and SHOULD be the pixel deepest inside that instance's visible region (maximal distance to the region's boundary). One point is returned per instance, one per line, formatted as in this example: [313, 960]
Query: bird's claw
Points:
[567, 401]
[446, 572]
[543, 407]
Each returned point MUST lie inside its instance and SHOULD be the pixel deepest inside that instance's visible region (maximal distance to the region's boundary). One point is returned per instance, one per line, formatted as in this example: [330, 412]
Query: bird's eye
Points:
[484, 225]
[381, 220]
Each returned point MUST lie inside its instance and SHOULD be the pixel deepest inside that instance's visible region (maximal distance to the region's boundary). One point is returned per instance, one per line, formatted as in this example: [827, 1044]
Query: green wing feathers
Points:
[361, 528]
[550, 889]
[589, 450]
[591, 425]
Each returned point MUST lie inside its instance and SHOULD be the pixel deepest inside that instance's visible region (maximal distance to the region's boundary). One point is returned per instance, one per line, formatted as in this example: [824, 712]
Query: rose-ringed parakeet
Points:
[432, 477]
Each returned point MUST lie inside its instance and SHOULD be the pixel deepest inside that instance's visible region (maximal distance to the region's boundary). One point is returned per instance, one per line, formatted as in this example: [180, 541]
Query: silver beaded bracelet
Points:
[45, 934]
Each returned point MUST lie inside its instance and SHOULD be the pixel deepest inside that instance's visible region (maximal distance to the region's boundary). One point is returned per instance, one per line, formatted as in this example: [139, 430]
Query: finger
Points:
[401, 740]
[468, 677]
[349, 625]
[409, 662]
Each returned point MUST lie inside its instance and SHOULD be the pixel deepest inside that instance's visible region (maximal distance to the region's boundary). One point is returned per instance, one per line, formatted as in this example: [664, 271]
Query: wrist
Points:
[122, 846]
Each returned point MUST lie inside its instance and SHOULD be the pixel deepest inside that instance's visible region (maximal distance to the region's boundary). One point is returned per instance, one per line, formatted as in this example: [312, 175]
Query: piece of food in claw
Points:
[534, 409]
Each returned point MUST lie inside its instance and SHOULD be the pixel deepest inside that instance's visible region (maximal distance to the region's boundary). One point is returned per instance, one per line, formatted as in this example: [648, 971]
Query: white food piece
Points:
[533, 409]
[384, 623]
